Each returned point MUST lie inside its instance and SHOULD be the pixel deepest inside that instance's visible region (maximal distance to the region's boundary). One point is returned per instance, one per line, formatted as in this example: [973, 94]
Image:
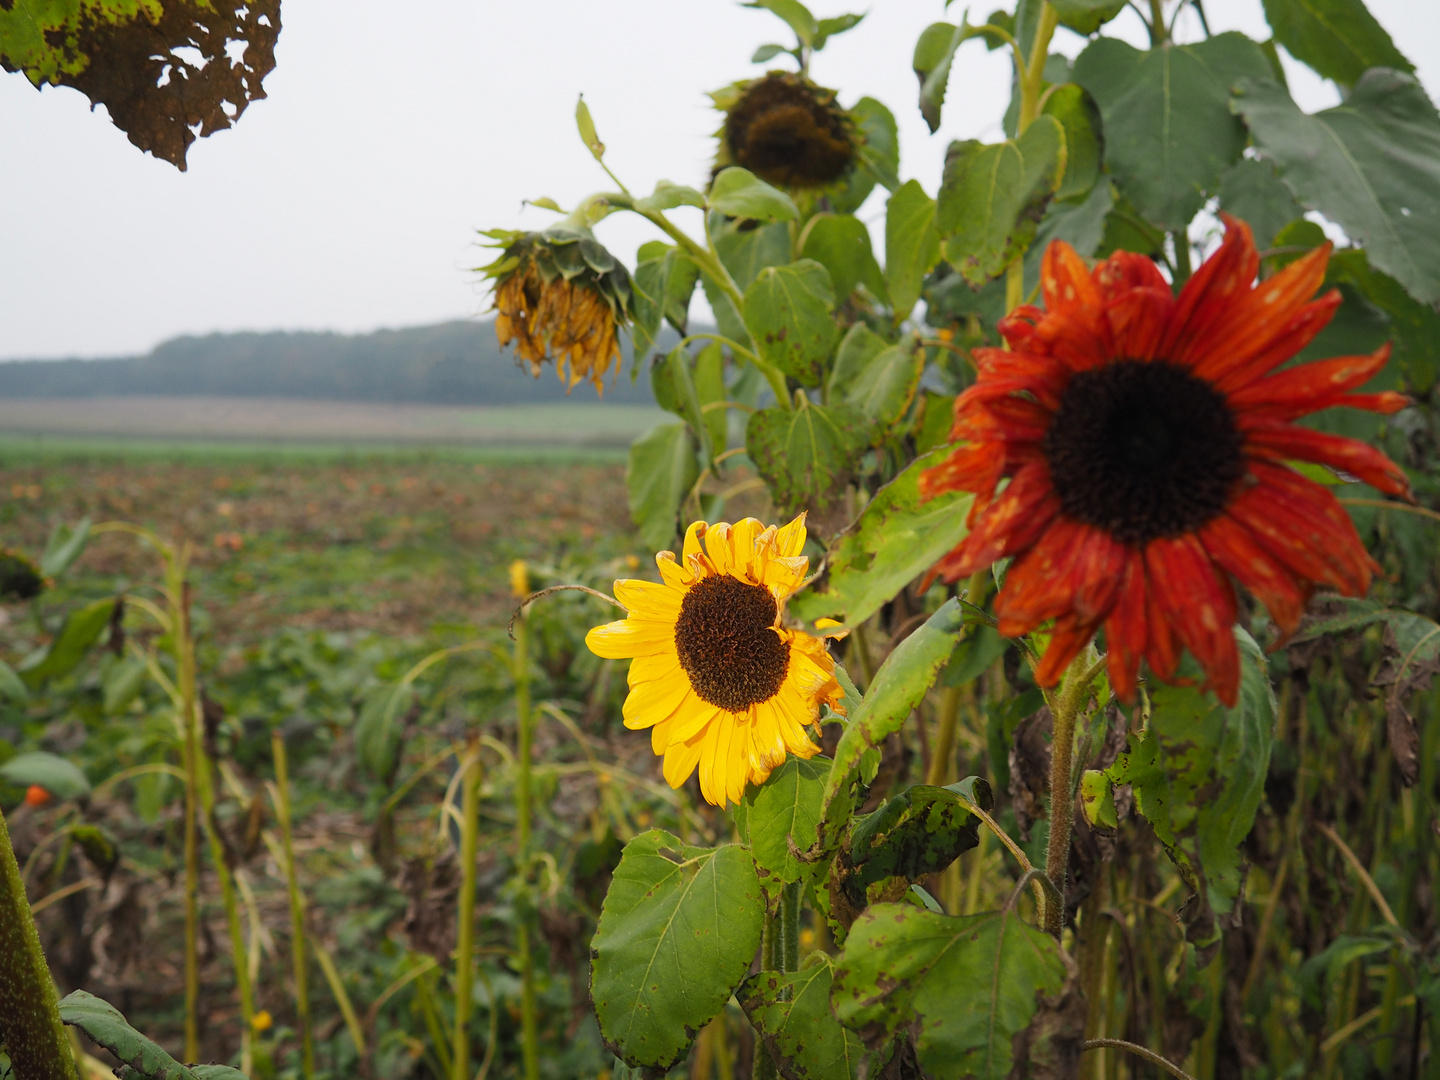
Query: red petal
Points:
[1286, 442]
[976, 468]
[1066, 642]
[1012, 524]
[1302, 328]
[1018, 327]
[1162, 647]
[1125, 628]
[1387, 402]
[1302, 525]
[1201, 607]
[1080, 337]
[1125, 270]
[1307, 388]
[1256, 318]
[1065, 279]
[1237, 551]
[1018, 420]
[1100, 562]
[1041, 583]
[1137, 321]
[1212, 289]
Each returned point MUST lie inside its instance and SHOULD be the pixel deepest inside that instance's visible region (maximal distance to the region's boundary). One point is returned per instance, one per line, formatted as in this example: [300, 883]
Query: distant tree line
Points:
[454, 363]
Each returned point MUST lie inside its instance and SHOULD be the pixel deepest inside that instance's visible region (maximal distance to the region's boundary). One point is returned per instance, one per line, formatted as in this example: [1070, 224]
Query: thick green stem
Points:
[530, 1044]
[1182, 256]
[30, 1024]
[297, 908]
[1066, 706]
[1030, 86]
[710, 264]
[465, 914]
[942, 753]
[772, 949]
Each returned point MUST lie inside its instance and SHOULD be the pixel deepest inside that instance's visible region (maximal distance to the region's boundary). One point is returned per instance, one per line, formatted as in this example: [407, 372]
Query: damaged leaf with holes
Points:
[167, 72]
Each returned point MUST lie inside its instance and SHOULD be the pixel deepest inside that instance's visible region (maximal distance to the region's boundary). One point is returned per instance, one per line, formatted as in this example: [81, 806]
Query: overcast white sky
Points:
[349, 198]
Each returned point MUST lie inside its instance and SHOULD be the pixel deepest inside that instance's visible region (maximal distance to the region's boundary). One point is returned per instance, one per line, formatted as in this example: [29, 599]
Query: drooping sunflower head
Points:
[20, 578]
[723, 685]
[786, 130]
[559, 295]
[1144, 440]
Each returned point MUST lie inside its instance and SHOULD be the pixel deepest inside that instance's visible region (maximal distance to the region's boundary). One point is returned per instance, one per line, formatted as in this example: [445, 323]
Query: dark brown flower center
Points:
[1143, 449]
[789, 133]
[727, 645]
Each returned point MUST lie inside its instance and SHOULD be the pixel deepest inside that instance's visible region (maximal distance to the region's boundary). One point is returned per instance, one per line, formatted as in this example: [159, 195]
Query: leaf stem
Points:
[1035, 68]
[1138, 1051]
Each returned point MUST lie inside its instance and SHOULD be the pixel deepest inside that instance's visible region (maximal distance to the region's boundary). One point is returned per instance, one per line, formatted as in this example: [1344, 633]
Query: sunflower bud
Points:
[559, 295]
[20, 579]
[787, 131]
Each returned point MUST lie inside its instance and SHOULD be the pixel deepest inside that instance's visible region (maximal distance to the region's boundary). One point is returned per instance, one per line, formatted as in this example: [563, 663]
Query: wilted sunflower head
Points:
[20, 579]
[559, 295]
[786, 130]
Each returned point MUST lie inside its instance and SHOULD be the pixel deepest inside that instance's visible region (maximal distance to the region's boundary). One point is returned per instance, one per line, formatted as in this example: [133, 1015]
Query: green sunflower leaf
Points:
[891, 697]
[912, 245]
[992, 197]
[885, 387]
[785, 808]
[1169, 132]
[1087, 16]
[661, 471]
[739, 193]
[677, 932]
[792, 1014]
[1371, 165]
[1198, 771]
[858, 347]
[378, 728]
[1252, 191]
[988, 996]
[1084, 145]
[805, 454]
[64, 547]
[1340, 39]
[897, 538]
[841, 244]
[81, 630]
[142, 1058]
[787, 309]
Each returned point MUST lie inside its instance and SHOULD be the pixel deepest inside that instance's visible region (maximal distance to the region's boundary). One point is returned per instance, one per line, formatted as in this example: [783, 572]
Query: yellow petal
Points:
[649, 703]
[674, 575]
[648, 599]
[692, 539]
[790, 539]
[695, 714]
[680, 761]
[717, 547]
[742, 548]
[625, 638]
[659, 665]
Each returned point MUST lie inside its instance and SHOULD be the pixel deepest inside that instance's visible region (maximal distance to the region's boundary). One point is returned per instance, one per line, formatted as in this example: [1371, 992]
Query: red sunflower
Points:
[1145, 438]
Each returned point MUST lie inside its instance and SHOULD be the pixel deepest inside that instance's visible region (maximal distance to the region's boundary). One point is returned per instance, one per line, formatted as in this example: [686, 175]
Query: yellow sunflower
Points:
[717, 679]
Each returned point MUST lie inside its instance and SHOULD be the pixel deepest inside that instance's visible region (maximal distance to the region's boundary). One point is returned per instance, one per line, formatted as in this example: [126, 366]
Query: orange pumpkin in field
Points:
[36, 796]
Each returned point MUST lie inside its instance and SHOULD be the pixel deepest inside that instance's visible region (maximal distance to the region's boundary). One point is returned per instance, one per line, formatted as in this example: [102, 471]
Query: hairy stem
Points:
[1067, 704]
[30, 1024]
[1030, 86]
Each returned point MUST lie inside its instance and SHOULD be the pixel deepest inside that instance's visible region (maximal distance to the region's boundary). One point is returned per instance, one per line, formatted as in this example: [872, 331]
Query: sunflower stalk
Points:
[465, 915]
[529, 1040]
[280, 794]
[30, 1024]
[1065, 708]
